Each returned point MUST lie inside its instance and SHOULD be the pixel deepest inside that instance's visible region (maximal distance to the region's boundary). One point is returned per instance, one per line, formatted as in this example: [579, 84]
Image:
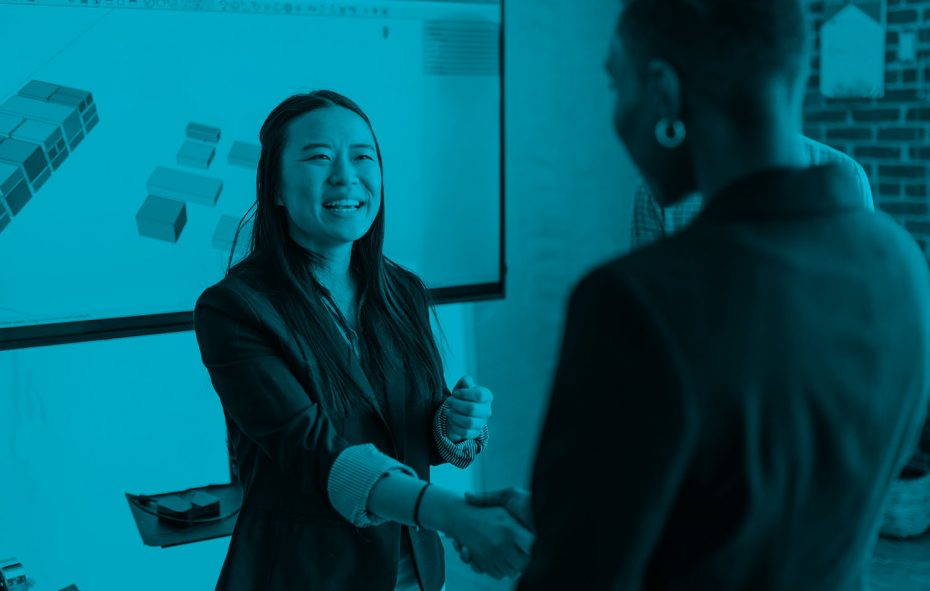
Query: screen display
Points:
[129, 141]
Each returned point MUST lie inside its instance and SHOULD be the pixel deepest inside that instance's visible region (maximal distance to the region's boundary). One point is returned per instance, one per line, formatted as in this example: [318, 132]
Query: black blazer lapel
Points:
[392, 417]
[395, 392]
[395, 389]
[351, 362]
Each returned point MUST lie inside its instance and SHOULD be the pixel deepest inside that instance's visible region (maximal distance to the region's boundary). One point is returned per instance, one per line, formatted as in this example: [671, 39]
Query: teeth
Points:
[343, 204]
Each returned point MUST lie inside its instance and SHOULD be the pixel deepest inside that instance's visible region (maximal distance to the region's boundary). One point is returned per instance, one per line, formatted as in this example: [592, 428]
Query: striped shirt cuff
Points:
[462, 454]
[353, 475]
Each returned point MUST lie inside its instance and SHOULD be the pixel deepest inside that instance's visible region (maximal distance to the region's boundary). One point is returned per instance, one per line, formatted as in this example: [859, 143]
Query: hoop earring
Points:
[670, 134]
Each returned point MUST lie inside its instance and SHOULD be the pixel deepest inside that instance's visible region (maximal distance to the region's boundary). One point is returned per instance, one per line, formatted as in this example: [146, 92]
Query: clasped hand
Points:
[496, 537]
[467, 410]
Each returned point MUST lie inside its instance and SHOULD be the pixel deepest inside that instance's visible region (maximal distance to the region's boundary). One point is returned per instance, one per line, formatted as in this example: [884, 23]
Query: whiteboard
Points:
[164, 99]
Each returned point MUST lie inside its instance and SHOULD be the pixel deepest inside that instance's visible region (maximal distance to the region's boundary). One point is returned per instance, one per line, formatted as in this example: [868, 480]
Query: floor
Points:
[897, 566]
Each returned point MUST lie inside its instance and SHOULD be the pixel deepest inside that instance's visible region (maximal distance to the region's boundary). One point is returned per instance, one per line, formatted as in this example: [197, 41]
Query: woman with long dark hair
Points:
[321, 351]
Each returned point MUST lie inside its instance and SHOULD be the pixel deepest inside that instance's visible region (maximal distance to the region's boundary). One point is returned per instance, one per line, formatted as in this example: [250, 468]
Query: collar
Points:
[785, 193]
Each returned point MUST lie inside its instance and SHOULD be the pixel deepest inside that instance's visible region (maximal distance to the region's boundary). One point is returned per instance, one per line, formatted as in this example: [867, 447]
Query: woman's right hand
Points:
[498, 544]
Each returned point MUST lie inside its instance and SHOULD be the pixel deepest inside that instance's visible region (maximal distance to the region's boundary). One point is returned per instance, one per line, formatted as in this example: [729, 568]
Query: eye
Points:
[317, 157]
[364, 157]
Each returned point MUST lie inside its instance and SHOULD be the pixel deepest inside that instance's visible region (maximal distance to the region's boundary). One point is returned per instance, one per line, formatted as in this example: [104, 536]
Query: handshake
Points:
[494, 533]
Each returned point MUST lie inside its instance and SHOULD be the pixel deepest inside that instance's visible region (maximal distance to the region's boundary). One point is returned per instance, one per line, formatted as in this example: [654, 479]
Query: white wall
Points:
[569, 198]
[85, 423]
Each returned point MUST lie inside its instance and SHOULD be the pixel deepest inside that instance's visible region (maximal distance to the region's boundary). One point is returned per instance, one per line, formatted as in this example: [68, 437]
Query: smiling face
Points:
[330, 179]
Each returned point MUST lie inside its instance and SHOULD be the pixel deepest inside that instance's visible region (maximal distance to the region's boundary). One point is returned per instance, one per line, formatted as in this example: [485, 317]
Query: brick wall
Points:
[889, 136]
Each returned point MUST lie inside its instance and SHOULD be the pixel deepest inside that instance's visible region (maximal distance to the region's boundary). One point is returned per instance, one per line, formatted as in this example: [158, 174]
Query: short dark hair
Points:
[719, 47]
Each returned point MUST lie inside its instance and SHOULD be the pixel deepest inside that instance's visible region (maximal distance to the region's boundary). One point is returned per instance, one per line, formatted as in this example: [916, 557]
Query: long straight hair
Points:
[393, 302]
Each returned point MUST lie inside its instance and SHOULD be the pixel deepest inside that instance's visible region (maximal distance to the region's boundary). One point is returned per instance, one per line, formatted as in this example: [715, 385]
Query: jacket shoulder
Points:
[222, 292]
[239, 295]
[641, 265]
[609, 283]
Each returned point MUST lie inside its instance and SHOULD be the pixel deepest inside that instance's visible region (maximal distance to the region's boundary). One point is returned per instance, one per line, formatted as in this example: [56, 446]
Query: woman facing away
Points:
[748, 372]
[321, 351]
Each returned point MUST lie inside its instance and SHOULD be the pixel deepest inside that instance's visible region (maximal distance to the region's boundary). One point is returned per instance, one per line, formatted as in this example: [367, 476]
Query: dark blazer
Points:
[288, 536]
[732, 403]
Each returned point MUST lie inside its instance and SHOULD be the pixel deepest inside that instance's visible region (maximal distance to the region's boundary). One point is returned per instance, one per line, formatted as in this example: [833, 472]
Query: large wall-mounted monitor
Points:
[129, 144]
